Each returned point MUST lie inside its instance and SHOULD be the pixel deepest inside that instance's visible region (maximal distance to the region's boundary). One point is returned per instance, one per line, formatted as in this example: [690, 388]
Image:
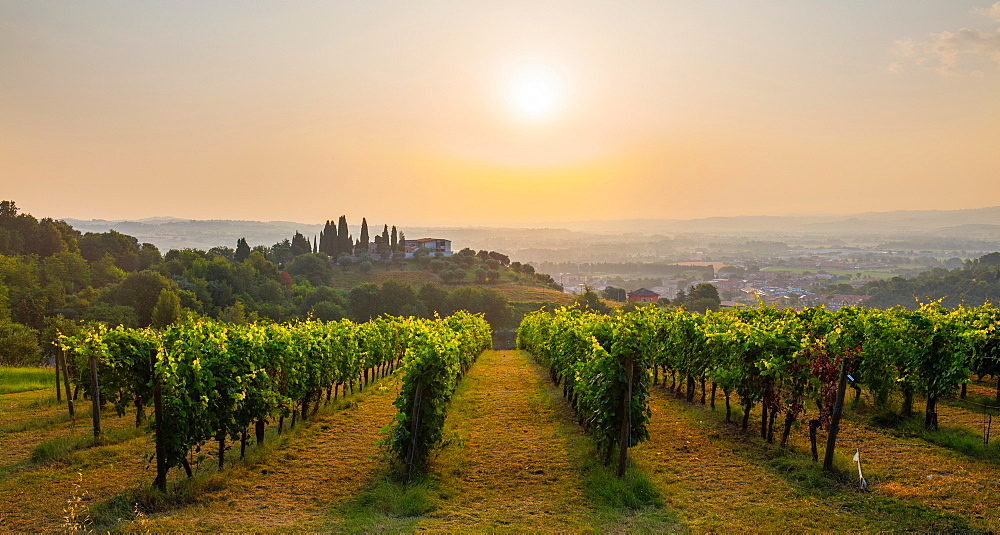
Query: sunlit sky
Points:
[486, 112]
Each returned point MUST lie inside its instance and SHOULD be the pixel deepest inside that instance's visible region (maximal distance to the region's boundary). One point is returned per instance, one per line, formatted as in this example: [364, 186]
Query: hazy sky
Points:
[482, 112]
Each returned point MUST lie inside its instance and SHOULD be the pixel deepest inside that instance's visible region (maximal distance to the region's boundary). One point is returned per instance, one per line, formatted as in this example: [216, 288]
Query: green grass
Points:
[62, 449]
[388, 504]
[42, 423]
[959, 439]
[607, 491]
[13, 380]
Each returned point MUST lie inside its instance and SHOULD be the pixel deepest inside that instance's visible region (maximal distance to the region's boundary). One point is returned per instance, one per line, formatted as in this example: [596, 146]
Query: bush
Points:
[18, 344]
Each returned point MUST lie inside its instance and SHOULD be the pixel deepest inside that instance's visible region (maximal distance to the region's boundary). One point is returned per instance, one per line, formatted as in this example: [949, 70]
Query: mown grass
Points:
[62, 449]
[14, 380]
[958, 439]
[838, 488]
[631, 503]
[131, 509]
[42, 423]
[388, 503]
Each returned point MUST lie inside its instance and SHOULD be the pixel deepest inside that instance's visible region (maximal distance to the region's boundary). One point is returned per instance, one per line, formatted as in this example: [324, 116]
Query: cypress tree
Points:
[402, 242]
[344, 241]
[332, 245]
[394, 240]
[364, 240]
[385, 234]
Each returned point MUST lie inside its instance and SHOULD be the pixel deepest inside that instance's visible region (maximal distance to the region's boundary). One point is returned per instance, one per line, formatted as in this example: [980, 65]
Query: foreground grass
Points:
[959, 439]
[13, 380]
[514, 459]
[792, 492]
[284, 484]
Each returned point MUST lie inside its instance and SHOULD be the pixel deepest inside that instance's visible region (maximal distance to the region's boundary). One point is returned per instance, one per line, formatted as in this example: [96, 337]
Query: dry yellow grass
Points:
[714, 488]
[925, 475]
[326, 463]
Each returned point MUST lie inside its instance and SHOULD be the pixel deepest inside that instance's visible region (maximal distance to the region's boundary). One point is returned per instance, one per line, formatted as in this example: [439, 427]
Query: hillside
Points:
[975, 283]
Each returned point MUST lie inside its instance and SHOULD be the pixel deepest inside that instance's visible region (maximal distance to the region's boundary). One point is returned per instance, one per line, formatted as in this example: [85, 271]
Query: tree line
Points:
[53, 277]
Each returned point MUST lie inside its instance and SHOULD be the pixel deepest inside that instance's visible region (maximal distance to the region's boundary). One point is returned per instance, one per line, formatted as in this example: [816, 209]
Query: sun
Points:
[535, 93]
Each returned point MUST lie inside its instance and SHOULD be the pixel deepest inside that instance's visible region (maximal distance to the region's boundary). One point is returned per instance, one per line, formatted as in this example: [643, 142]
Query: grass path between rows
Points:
[519, 462]
[510, 466]
[722, 478]
[713, 487]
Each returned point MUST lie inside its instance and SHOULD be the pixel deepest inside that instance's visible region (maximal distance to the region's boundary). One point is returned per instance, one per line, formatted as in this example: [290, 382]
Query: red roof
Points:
[642, 292]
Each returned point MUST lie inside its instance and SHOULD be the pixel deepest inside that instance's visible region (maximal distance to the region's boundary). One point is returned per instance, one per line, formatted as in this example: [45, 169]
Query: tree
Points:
[123, 249]
[452, 276]
[314, 267]
[242, 250]
[364, 302]
[167, 310]
[491, 303]
[364, 240]
[394, 239]
[614, 294]
[344, 242]
[590, 301]
[139, 292]
[434, 298]
[300, 245]
[18, 344]
[399, 299]
[328, 242]
[235, 314]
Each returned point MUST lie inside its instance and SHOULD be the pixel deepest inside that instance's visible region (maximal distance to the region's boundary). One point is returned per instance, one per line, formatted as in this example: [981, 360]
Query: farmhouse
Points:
[432, 245]
[643, 295]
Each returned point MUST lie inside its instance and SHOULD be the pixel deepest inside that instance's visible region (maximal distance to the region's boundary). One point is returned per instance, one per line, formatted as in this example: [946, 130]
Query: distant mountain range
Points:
[175, 233]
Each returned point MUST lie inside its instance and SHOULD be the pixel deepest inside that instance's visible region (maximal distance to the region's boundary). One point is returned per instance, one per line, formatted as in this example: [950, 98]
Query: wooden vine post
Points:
[838, 411]
[61, 355]
[626, 429]
[417, 398]
[95, 397]
[58, 385]
[161, 447]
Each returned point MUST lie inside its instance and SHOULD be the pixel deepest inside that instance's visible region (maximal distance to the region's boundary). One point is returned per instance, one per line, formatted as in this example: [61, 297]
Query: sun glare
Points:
[535, 93]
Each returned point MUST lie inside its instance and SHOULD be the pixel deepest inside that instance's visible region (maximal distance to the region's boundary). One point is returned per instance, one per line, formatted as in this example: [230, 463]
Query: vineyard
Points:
[212, 381]
[639, 408]
[780, 360]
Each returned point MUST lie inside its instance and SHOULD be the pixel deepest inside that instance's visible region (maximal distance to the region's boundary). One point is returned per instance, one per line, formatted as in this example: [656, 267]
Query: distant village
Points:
[796, 289]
